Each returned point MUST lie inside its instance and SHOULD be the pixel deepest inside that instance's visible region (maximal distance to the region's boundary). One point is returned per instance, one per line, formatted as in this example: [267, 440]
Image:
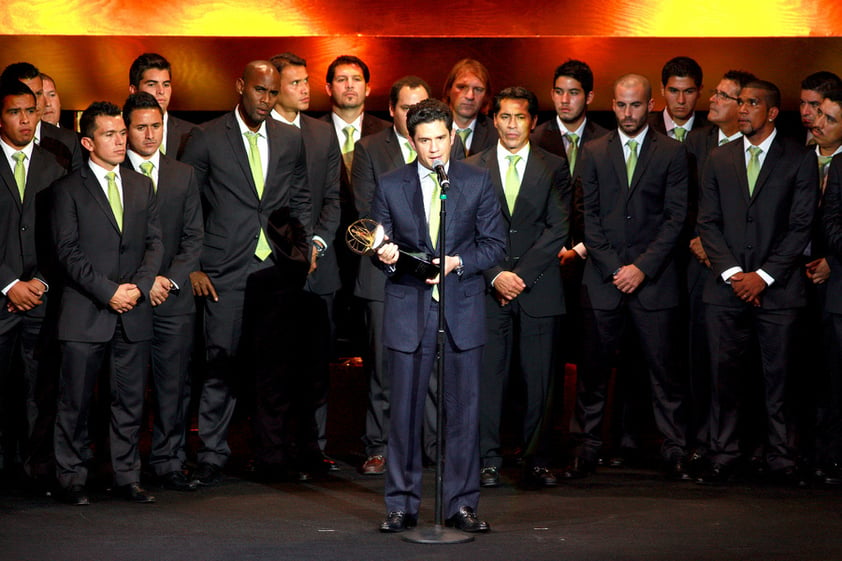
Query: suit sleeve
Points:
[710, 223]
[489, 245]
[186, 258]
[300, 203]
[363, 181]
[196, 154]
[329, 214]
[832, 208]
[600, 250]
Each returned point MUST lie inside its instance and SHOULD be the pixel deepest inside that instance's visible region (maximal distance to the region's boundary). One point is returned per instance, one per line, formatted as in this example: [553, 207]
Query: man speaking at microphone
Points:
[407, 203]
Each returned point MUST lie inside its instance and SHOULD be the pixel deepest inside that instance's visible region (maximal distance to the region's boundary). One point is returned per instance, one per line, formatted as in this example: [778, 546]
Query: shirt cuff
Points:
[321, 241]
[766, 277]
[728, 273]
[9, 286]
[581, 250]
[495, 278]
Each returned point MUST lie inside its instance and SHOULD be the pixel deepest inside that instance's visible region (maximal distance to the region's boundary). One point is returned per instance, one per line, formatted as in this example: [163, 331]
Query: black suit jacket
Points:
[178, 131]
[96, 256]
[768, 230]
[484, 136]
[656, 121]
[640, 224]
[537, 230]
[180, 218]
[63, 144]
[831, 216]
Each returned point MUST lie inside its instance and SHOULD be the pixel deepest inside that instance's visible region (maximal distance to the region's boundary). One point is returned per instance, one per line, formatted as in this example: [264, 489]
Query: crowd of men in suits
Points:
[695, 257]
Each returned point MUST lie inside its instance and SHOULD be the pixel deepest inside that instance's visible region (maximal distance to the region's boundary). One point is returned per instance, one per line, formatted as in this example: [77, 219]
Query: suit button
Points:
[23, 228]
[513, 231]
[628, 217]
[749, 246]
[750, 219]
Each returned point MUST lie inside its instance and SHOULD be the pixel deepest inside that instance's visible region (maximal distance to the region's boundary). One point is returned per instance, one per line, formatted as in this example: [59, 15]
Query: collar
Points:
[278, 117]
[669, 124]
[136, 159]
[763, 145]
[9, 150]
[244, 129]
[641, 136]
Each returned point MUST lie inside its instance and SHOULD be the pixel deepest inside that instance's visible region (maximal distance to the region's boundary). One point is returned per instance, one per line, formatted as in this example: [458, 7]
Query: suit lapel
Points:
[274, 149]
[393, 151]
[644, 157]
[618, 161]
[415, 202]
[489, 161]
[9, 180]
[739, 162]
[238, 150]
[534, 168]
[769, 163]
[92, 185]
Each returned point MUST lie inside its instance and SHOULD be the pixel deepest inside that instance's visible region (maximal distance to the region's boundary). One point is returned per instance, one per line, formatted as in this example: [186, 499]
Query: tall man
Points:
[407, 203]
[635, 194]
[681, 86]
[754, 225]
[467, 90]
[246, 166]
[173, 305]
[108, 243]
[524, 303]
[813, 88]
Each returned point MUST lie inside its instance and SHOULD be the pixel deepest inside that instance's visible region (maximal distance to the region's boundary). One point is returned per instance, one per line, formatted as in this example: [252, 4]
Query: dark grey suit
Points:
[63, 144]
[178, 131]
[484, 136]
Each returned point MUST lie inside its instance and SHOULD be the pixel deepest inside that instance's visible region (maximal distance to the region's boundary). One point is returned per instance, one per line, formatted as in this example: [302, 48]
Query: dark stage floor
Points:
[623, 514]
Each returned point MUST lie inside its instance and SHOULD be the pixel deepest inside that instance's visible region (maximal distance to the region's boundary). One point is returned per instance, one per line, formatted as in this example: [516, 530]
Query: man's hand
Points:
[628, 278]
[160, 290]
[202, 285]
[125, 298]
[508, 286]
[698, 251]
[314, 255]
[25, 295]
[818, 270]
[747, 287]
[569, 261]
[450, 263]
[388, 253]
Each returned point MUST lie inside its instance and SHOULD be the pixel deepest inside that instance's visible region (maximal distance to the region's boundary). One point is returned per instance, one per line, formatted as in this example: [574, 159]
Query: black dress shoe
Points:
[208, 475]
[578, 469]
[177, 481]
[467, 521]
[76, 495]
[788, 477]
[135, 493]
[489, 477]
[540, 476]
[677, 470]
[718, 474]
[398, 521]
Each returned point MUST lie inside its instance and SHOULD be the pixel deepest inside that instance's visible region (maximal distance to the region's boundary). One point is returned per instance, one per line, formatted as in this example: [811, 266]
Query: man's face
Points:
[827, 128]
[258, 91]
[631, 107]
[407, 97]
[18, 118]
[681, 95]
[467, 95]
[107, 147]
[158, 83]
[809, 107]
[514, 123]
[37, 86]
[723, 109]
[569, 99]
[52, 103]
[432, 142]
[146, 131]
[755, 115]
[294, 95]
[348, 89]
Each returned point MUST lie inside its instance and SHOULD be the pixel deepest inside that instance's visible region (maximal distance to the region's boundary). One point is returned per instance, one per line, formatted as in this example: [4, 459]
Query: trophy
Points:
[366, 236]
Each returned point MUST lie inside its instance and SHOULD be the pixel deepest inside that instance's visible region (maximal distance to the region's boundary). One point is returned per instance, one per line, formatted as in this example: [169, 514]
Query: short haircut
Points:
[740, 77]
[466, 65]
[579, 71]
[87, 122]
[283, 60]
[20, 71]
[428, 111]
[821, 82]
[145, 62]
[140, 100]
[11, 88]
[347, 59]
[411, 82]
[773, 94]
[682, 67]
[516, 92]
[834, 96]
[47, 77]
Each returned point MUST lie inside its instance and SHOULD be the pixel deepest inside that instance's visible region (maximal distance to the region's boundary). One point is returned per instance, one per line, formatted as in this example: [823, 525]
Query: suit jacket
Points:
[234, 215]
[656, 121]
[768, 230]
[831, 216]
[474, 231]
[638, 224]
[484, 136]
[178, 131]
[63, 144]
[537, 230]
[96, 257]
[180, 218]
[25, 246]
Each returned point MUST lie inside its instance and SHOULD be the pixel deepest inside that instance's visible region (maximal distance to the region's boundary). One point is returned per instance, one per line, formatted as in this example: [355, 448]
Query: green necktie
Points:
[632, 161]
[753, 168]
[512, 185]
[724, 141]
[464, 134]
[680, 133]
[114, 199]
[412, 154]
[146, 168]
[262, 251]
[348, 147]
[824, 164]
[20, 172]
[162, 150]
[433, 222]
[572, 150]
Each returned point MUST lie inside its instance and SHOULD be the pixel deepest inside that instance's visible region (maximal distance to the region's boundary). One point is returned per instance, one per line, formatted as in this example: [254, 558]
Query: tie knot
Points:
[110, 176]
[252, 137]
[724, 141]
[18, 157]
[435, 177]
[513, 159]
[755, 151]
[824, 160]
[146, 168]
[680, 133]
[349, 130]
[573, 137]
[632, 144]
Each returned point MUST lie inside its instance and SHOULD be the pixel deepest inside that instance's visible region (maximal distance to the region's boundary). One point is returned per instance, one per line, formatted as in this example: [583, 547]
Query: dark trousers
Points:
[377, 415]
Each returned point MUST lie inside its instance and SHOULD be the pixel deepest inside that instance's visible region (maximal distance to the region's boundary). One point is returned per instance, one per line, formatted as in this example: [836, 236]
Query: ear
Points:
[132, 89]
[589, 98]
[651, 105]
[534, 123]
[773, 113]
[391, 111]
[239, 85]
[367, 90]
[87, 143]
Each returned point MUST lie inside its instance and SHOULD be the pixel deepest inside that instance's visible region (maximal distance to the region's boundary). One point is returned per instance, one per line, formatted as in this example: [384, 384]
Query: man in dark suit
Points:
[246, 166]
[524, 303]
[467, 90]
[681, 86]
[407, 204]
[108, 243]
[25, 176]
[173, 305]
[63, 144]
[152, 73]
[635, 193]
[758, 200]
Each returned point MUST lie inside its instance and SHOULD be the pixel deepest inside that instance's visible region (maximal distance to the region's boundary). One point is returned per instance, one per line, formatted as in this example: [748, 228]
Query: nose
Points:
[148, 132]
[681, 98]
[819, 122]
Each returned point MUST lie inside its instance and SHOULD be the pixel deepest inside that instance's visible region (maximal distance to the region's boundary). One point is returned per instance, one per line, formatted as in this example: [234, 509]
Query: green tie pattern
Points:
[464, 134]
[631, 162]
[512, 185]
[680, 133]
[20, 173]
[262, 251]
[824, 164]
[114, 199]
[433, 222]
[753, 168]
[146, 168]
[348, 147]
[572, 150]
[412, 154]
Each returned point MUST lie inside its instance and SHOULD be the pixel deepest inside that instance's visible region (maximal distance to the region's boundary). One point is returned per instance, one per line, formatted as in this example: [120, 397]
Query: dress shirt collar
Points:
[296, 122]
[244, 128]
[9, 151]
[669, 124]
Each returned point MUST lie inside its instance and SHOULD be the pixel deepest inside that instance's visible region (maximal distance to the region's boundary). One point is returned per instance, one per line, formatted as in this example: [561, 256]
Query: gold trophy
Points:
[366, 237]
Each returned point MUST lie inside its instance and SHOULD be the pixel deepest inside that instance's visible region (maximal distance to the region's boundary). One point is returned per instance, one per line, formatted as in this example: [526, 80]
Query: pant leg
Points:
[496, 363]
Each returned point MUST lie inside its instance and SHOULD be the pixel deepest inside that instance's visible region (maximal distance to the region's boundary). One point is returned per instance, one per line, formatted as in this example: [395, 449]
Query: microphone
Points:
[438, 167]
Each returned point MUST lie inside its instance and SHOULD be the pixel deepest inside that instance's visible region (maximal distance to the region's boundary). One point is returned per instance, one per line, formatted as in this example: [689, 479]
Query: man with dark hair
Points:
[681, 86]
[152, 73]
[754, 228]
[63, 144]
[406, 203]
[247, 166]
[24, 272]
[108, 243]
[524, 304]
[52, 101]
[173, 305]
[813, 88]
[467, 90]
